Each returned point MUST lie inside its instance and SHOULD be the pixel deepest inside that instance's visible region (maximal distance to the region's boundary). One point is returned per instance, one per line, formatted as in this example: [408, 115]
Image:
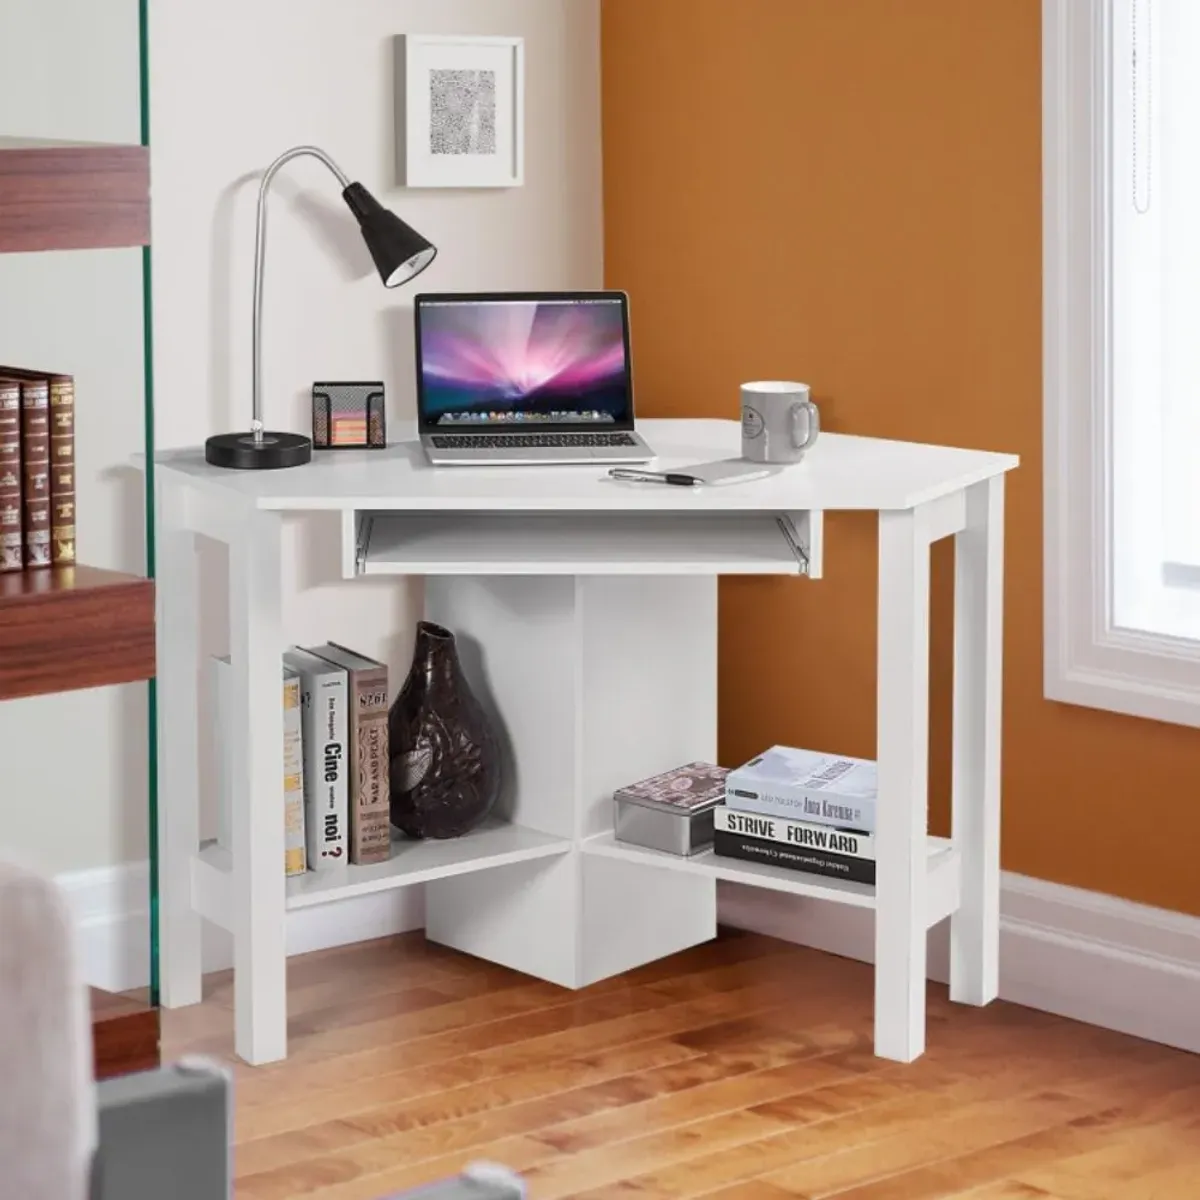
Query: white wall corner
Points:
[112, 923]
[1083, 955]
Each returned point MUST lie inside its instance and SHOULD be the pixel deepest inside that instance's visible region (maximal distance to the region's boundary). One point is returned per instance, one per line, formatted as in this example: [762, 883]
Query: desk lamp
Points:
[400, 254]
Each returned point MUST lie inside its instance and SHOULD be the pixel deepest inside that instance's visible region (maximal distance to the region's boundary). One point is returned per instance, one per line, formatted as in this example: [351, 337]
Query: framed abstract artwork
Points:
[460, 111]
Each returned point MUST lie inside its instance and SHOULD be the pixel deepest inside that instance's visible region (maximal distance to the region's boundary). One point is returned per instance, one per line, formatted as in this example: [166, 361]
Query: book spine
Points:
[826, 838]
[293, 778]
[370, 819]
[326, 766]
[794, 858]
[62, 470]
[815, 808]
[35, 470]
[12, 556]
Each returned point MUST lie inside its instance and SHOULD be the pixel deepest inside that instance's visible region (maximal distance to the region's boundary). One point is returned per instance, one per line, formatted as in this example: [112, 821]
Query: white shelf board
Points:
[494, 844]
[943, 861]
[575, 544]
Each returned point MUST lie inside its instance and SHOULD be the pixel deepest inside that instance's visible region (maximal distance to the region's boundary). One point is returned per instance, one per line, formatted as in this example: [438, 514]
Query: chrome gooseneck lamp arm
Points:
[260, 254]
[399, 253]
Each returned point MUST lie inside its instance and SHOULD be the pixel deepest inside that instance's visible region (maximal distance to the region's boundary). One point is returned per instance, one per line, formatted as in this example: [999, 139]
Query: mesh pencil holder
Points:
[348, 416]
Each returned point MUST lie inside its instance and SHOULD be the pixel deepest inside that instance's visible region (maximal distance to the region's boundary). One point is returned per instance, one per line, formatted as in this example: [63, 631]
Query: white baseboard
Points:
[1080, 954]
[112, 921]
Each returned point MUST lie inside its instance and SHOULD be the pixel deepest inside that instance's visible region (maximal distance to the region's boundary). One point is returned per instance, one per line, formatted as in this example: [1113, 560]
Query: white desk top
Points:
[840, 472]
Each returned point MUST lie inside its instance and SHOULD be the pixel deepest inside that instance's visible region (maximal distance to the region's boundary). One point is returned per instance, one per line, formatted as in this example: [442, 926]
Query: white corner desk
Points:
[593, 606]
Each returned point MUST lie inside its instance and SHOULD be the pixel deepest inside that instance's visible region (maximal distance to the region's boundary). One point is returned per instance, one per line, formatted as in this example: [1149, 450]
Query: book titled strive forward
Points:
[798, 845]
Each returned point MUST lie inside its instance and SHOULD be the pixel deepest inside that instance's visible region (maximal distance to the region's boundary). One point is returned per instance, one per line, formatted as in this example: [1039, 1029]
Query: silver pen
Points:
[631, 475]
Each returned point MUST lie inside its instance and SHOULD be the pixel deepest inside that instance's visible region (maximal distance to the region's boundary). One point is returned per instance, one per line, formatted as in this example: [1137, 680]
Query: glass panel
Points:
[75, 791]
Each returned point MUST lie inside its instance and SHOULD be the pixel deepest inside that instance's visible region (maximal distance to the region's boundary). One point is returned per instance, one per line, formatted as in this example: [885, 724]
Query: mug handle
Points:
[812, 424]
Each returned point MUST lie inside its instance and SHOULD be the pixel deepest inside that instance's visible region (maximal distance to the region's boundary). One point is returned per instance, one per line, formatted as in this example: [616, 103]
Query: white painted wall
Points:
[234, 83]
[73, 767]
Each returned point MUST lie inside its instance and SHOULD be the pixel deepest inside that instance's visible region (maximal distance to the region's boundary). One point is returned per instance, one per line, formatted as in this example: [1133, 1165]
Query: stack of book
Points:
[37, 469]
[335, 758]
[802, 810]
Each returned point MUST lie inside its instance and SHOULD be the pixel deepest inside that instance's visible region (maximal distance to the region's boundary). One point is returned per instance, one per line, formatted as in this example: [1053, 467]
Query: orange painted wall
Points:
[848, 192]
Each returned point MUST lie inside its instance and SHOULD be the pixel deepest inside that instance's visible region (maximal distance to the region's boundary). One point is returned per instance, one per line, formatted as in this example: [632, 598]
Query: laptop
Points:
[519, 378]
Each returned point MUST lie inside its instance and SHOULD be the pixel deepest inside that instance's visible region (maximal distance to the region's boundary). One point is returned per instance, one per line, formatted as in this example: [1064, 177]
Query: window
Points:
[1121, 158]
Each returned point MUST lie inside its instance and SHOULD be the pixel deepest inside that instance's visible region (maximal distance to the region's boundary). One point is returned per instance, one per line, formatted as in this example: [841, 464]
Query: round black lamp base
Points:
[241, 452]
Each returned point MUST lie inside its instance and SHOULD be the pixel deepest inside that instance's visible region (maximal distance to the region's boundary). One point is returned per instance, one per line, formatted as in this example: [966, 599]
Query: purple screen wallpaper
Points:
[524, 361]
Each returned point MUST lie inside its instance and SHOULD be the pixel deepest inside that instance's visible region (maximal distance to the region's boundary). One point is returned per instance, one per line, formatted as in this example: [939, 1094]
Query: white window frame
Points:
[1087, 659]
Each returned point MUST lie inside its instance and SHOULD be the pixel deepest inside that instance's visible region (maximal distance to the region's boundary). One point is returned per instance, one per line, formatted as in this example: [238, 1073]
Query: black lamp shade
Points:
[399, 251]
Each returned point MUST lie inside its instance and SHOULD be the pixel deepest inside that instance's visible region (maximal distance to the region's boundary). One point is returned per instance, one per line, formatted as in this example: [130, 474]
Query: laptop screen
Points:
[523, 361]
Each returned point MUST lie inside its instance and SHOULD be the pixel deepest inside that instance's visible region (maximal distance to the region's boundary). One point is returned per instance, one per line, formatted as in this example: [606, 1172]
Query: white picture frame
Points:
[460, 111]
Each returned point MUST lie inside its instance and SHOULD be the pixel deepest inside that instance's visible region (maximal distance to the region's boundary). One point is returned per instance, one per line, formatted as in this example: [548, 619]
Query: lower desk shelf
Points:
[943, 866]
[493, 844]
[496, 843]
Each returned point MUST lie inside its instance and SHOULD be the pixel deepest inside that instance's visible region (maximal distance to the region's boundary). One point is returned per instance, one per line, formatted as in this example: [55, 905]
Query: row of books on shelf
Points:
[335, 757]
[37, 469]
[797, 809]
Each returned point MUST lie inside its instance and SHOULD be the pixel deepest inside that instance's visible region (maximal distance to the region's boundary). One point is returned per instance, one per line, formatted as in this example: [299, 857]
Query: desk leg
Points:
[256, 645]
[178, 753]
[978, 604]
[903, 754]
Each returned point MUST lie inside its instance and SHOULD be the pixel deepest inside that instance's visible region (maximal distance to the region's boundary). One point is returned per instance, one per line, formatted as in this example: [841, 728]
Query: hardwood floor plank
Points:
[535, 1010]
[569, 1175]
[738, 1070]
[688, 1081]
[1126, 1157]
[733, 1087]
[1007, 1189]
[752, 1189]
[974, 1126]
[439, 1104]
[957, 1175]
[1178, 1182]
[891, 1101]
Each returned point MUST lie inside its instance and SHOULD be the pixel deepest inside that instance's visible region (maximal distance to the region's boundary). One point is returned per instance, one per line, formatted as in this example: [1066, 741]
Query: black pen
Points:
[629, 475]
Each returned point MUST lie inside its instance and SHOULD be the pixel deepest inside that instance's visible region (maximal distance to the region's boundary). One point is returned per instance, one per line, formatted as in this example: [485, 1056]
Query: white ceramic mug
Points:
[779, 421]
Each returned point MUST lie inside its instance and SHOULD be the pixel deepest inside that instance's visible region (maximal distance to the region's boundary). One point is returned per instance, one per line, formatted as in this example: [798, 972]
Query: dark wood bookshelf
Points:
[72, 195]
[125, 1034]
[64, 628]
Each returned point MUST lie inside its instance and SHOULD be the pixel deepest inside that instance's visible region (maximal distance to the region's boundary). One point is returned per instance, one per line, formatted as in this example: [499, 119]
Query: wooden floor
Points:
[738, 1071]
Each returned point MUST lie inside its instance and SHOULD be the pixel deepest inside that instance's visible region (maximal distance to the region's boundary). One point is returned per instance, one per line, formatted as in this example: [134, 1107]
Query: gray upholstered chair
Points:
[158, 1133]
[47, 1101]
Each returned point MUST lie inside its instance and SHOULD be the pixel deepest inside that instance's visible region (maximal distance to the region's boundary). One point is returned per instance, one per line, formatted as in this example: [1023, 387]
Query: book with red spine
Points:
[62, 470]
[12, 555]
[35, 468]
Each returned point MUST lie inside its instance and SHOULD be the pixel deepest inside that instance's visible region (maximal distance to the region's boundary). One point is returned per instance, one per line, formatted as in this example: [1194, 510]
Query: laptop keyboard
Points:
[528, 441]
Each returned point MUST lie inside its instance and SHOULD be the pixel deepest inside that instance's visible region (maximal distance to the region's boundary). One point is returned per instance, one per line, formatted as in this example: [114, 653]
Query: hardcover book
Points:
[35, 469]
[795, 858]
[370, 817]
[327, 763]
[62, 470]
[803, 785]
[825, 838]
[12, 557]
[293, 776]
